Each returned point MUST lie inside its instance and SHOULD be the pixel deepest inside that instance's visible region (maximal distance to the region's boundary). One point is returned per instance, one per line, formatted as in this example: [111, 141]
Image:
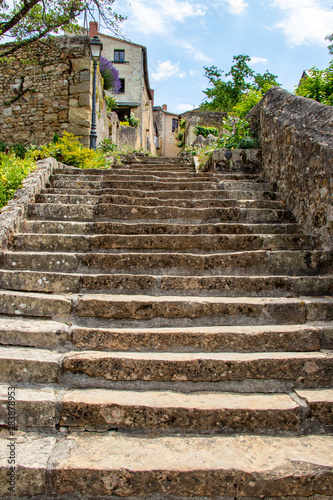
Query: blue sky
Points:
[282, 36]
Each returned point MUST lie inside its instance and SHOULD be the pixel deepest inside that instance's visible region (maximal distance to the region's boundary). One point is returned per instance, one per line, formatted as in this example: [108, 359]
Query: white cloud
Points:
[236, 7]
[158, 16]
[193, 72]
[192, 51]
[305, 22]
[185, 107]
[258, 60]
[166, 70]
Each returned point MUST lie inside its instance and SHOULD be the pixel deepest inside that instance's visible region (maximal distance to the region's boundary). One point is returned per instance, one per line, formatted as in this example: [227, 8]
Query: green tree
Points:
[318, 85]
[26, 21]
[223, 95]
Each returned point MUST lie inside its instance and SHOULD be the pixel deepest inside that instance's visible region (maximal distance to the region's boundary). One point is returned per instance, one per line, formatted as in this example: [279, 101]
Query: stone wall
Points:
[128, 136]
[46, 89]
[203, 118]
[296, 136]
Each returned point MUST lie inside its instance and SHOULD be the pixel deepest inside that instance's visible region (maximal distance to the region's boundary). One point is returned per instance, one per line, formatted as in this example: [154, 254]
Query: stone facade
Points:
[137, 96]
[46, 89]
[296, 136]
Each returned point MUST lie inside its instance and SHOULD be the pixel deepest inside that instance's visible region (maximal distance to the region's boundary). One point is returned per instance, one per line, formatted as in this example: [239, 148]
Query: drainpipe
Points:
[164, 133]
[142, 91]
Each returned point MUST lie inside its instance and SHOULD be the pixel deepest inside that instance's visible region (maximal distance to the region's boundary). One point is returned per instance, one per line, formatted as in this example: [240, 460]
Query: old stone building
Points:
[46, 88]
[135, 96]
[166, 127]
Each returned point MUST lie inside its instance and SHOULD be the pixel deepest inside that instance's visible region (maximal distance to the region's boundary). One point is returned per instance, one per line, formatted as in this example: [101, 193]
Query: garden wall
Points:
[46, 89]
[296, 136]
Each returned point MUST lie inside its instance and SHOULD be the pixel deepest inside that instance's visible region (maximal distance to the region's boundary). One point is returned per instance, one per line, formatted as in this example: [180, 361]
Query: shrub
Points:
[130, 121]
[206, 131]
[240, 135]
[70, 151]
[13, 170]
[110, 102]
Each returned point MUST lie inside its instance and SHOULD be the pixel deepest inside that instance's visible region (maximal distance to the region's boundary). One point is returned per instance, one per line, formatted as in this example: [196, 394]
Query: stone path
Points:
[168, 335]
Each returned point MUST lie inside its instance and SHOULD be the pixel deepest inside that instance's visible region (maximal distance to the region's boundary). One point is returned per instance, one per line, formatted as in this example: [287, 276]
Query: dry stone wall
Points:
[46, 89]
[296, 136]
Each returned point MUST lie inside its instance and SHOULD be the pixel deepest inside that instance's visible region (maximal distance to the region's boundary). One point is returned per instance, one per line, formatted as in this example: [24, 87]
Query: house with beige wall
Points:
[135, 96]
[166, 128]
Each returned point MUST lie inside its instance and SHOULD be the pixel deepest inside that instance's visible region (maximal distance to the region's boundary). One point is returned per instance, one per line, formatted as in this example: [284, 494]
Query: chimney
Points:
[164, 107]
[93, 29]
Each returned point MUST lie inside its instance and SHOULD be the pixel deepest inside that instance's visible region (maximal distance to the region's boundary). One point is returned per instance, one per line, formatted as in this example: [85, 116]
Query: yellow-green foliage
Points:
[12, 171]
[70, 151]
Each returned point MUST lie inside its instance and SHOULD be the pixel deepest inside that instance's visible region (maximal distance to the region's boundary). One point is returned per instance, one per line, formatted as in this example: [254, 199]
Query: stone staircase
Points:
[168, 335]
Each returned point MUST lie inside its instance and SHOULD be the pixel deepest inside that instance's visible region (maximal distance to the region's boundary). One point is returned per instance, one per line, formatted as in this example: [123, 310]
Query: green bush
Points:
[318, 85]
[206, 131]
[110, 102]
[68, 149]
[240, 135]
[13, 170]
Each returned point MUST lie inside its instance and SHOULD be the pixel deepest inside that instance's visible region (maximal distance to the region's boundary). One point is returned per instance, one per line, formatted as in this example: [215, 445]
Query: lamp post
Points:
[96, 47]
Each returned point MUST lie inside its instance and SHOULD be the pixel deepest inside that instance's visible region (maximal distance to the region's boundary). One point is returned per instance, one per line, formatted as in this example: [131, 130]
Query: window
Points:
[119, 56]
[122, 87]
[174, 125]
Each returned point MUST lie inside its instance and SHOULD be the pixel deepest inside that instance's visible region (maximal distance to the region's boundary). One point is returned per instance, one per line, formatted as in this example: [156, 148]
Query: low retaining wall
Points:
[13, 214]
[296, 137]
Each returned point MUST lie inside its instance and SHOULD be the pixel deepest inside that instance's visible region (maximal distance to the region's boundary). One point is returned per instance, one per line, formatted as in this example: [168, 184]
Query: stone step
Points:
[301, 370]
[183, 466]
[112, 211]
[188, 175]
[257, 338]
[137, 175]
[291, 262]
[223, 413]
[297, 370]
[103, 409]
[203, 243]
[166, 311]
[63, 182]
[222, 286]
[69, 227]
[169, 194]
[180, 203]
[48, 334]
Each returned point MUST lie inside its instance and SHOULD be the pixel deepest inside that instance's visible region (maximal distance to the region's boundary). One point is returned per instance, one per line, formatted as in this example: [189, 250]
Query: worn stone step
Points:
[187, 175]
[145, 185]
[57, 307]
[104, 242]
[141, 310]
[181, 203]
[137, 175]
[112, 211]
[33, 407]
[70, 227]
[184, 466]
[222, 286]
[105, 409]
[166, 410]
[21, 331]
[163, 194]
[20, 364]
[256, 338]
[291, 262]
[302, 370]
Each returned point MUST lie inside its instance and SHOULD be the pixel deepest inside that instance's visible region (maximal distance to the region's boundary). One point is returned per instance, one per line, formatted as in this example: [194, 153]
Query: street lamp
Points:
[96, 47]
